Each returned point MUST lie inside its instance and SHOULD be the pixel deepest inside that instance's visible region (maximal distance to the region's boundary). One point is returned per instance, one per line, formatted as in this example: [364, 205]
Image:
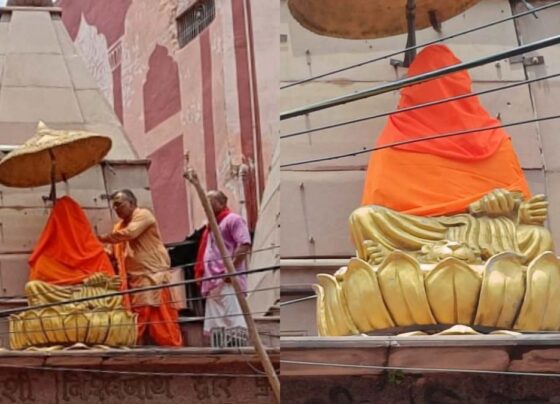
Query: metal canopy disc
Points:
[369, 19]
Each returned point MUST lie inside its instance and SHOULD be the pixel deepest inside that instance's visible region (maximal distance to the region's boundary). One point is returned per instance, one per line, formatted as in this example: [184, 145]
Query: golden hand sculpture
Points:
[500, 221]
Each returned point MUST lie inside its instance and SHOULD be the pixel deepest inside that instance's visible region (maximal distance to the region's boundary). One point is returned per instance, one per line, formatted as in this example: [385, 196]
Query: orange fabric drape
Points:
[68, 251]
[119, 254]
[161, 322]
[441, 176]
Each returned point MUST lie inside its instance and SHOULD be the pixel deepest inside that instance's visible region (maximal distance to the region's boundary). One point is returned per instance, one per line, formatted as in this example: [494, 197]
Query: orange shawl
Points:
[441, 176]
[68, 251]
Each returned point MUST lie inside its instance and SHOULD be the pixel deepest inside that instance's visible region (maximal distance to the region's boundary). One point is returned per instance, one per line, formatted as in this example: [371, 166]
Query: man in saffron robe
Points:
[143, 261]
[413, 190]
[222, 307]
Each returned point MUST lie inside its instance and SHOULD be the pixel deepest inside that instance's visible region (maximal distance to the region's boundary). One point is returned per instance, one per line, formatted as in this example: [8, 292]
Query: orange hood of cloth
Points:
[68, 251]
[440, 176]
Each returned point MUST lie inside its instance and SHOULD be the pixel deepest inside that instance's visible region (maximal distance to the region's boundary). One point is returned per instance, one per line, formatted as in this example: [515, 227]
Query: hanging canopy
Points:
[369, 19]
[73, 152]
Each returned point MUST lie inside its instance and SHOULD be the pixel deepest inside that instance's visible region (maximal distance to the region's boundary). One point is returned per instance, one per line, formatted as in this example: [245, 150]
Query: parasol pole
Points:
[410, 54]
[52, 196]
[255, 338]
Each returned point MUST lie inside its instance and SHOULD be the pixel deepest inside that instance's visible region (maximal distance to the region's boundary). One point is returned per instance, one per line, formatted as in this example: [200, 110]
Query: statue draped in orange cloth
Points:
[143, 262]
[440, 176]
[68, 251]
[466, 190]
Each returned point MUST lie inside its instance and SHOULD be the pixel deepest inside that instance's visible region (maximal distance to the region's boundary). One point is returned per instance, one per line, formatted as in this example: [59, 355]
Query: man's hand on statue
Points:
[534, 211]
[374, 253]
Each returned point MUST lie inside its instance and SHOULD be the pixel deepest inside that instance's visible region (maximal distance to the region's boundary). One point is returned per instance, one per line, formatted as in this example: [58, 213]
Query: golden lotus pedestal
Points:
[96, 322]
[502, 293]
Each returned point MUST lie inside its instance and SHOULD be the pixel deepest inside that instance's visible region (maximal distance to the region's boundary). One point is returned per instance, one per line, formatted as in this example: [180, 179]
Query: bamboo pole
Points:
[192, 177]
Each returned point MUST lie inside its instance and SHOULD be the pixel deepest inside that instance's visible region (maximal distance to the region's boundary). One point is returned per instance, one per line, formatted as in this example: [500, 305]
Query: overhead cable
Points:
[420, 78]
[417, 140]
[420, 369]
[419, 106]
[7, 312]
[438, 40]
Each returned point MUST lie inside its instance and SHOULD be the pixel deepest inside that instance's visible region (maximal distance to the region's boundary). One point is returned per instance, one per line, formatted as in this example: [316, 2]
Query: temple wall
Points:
[52, 386]
[197, 99]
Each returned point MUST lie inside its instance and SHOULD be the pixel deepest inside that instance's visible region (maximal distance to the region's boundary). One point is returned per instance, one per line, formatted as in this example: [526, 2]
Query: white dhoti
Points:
[222, 309]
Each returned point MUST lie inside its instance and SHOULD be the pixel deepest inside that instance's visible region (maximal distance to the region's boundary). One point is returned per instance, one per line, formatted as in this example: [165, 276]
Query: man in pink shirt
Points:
[222, 308]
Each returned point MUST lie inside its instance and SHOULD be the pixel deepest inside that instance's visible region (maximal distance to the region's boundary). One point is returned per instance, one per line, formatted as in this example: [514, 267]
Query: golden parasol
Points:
[370, 19]
[51, 156]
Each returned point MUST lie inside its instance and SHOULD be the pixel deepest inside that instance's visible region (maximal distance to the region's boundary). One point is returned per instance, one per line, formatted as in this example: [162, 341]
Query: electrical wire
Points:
[77, 327]
[420, 78]
[419, 369]
[109, 310]
[419, 139]
[419, 106]
[7, 312]
[129, 373]
[442, 39]
[303, 299]
[172, 269]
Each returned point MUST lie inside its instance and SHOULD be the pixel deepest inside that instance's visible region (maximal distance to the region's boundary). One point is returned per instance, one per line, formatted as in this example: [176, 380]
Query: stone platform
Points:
[418, 367]
[122, 376]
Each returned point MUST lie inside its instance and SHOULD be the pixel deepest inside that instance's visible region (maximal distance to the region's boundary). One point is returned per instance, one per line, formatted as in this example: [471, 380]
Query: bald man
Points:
[222, 307]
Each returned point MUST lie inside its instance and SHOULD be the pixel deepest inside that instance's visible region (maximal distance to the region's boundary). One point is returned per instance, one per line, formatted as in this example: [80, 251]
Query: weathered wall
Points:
[422, 389]
[480, 369]
[203, 99]
[50, 387]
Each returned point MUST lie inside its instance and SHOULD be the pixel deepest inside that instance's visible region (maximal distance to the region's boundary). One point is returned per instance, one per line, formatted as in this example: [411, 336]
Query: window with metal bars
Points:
[193, 21]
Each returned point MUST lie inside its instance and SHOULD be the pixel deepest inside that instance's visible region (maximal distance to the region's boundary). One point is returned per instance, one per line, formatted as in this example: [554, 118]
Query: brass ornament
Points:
[490, 269]
[103, 321]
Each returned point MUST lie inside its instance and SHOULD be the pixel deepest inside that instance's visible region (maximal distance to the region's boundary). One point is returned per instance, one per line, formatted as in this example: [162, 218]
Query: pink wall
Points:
[169, 193]
[197, 99]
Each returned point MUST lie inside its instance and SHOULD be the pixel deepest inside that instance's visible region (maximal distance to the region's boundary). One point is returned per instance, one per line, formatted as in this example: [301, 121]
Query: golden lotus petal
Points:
[322, 327]
[503, 288]
[99, 323]
[17, 338]
[337, 320]
[453, 288]
[402, 285]
[32, 329]
[122, 329]
[53, 325]
[76, 325]
[541, 308]
[363, 297]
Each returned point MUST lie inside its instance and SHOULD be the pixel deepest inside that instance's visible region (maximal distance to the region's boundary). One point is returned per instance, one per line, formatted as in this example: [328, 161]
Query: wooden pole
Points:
[257, 343]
